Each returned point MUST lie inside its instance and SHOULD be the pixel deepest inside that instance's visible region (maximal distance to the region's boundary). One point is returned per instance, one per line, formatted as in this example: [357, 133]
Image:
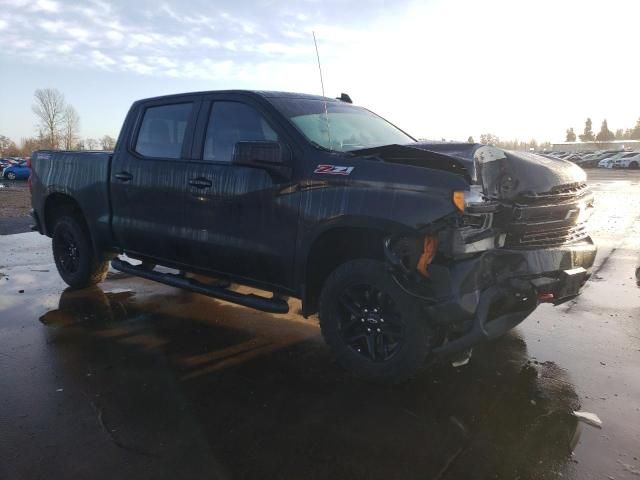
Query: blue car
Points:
[17, 172]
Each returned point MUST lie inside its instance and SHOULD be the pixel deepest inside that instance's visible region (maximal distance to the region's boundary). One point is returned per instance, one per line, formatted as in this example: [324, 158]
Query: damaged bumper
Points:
[485, 295]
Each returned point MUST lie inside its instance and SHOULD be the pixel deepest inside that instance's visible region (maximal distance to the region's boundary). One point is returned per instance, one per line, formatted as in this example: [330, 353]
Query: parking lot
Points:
[139, 380]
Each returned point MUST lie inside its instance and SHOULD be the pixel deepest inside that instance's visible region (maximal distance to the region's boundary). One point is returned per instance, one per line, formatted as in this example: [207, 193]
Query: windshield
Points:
[342, 127]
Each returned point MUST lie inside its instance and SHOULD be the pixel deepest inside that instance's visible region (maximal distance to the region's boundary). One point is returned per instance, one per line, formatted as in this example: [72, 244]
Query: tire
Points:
[633, 165]
[76, 261]
[381, 335]
[10, 176]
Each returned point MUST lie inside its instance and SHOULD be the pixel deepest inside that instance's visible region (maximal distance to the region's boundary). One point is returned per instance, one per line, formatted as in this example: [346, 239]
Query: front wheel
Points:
[633, 165]
[73, 252]
[375, 329]
[10, 175]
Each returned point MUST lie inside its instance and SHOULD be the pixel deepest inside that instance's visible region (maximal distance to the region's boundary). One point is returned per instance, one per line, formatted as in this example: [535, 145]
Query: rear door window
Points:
[230, 123]
[162, 130]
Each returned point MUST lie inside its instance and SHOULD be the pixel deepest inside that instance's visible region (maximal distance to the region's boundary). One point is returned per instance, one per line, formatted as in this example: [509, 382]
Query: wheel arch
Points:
[54, 205]
[335, 243]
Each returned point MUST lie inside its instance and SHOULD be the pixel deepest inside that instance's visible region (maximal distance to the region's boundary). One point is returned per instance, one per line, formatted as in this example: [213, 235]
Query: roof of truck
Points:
[261, 93]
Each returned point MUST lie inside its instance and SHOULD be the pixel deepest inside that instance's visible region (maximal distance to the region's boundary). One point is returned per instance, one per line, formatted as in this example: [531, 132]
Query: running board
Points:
[271, 305]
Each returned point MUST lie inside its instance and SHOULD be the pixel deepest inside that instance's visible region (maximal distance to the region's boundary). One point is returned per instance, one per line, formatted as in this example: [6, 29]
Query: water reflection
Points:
[264, 397]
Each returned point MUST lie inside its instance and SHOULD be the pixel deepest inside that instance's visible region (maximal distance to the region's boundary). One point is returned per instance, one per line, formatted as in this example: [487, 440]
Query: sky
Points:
[438, 69]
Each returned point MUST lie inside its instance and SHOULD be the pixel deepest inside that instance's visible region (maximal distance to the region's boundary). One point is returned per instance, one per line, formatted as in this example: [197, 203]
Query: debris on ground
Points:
[462, 358]
[630, 468]
[589, 418]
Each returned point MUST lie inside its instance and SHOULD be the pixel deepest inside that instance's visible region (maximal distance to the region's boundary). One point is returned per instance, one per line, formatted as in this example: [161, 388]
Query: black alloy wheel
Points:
[65, 249]
[376, 330]
[370, 324]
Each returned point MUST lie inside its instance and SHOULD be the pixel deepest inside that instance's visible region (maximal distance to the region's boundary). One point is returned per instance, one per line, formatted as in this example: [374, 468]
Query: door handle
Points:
[200, 183]
[123, 176]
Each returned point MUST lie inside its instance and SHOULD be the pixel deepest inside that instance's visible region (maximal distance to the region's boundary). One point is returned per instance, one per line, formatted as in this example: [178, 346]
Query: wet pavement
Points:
[138, 380]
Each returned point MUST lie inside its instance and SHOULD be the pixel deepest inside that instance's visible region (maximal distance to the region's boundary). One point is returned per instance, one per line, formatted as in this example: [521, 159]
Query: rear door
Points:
[243, 220]
[149, 179]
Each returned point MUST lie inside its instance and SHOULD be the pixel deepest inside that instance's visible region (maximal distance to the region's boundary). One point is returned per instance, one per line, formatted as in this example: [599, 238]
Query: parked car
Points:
[407, 250]
[19, 171]
[594, 160]
[607, 161]
[7, 162]
[629, 160]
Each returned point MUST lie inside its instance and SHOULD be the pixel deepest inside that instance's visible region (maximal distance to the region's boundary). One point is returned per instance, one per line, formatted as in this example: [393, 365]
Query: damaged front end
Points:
[518, 238]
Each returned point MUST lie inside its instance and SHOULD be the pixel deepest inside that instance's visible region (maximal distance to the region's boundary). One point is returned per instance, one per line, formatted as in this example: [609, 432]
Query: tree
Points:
[571, 135]
[49, 107]
[605, 135]
[70, 128]
[29, 144]
[5, 145]
[489, 139]
[470, 140]
[619, 134]
[91, 143]
[108, 142]
[635, 133]
[588, 135]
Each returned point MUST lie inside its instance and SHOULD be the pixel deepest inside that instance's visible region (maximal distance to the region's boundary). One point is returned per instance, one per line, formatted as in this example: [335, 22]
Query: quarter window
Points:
[162, 130]
[230, 123]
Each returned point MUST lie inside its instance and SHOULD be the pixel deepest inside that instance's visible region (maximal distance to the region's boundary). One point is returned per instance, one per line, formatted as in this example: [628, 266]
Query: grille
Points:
[551, 237]
[558, 194]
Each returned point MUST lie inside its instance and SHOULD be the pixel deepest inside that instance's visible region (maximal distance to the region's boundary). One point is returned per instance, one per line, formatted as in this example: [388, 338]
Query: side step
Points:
[272, 305]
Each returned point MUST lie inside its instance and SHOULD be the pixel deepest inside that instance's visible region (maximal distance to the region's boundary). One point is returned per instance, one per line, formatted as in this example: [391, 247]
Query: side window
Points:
[230, 123]
[162, 130]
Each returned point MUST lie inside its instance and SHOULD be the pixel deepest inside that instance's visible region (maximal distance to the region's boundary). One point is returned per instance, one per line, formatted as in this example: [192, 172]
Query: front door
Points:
[243, 219]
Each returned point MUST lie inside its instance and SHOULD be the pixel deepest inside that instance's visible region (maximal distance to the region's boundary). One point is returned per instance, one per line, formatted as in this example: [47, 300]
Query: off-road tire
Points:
[415, 344]
[84, 267]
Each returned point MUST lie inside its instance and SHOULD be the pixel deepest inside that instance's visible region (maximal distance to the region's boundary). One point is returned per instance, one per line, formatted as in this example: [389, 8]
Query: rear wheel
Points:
[76, 261]
[633, 165]
[375, 329]
[11, 175]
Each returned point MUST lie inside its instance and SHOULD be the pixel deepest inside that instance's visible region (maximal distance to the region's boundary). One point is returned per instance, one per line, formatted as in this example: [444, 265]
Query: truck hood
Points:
[503, 174]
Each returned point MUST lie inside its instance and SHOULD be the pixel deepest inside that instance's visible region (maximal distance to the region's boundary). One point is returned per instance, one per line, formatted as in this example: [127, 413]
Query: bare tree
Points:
[91, 143]
[49, 107]
[108, 142]
[5, 145]
[70, 128]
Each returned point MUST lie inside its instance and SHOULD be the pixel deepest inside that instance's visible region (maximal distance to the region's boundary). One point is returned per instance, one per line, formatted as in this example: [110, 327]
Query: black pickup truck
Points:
[408, 251]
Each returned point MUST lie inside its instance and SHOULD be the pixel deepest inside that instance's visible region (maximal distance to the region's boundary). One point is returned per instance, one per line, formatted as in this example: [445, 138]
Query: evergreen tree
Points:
[605, 135]
[588, 135]
[571, 135]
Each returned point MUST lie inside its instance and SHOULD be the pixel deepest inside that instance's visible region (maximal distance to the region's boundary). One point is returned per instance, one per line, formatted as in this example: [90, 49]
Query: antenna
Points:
[326, 113]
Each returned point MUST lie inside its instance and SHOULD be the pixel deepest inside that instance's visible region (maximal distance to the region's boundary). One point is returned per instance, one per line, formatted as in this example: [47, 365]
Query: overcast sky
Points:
[435, 68]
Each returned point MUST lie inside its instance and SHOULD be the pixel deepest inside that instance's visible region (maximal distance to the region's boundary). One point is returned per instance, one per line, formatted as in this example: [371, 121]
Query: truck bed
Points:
[82, 175]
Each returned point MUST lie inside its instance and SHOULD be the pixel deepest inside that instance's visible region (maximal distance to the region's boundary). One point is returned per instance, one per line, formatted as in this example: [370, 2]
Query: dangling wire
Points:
[326, 112]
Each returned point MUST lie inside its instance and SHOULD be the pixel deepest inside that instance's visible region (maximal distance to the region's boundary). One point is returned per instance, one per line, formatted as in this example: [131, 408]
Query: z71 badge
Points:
[333, 170]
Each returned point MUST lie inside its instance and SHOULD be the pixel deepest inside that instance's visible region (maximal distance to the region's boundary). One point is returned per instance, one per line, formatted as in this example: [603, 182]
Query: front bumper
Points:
[486, 295]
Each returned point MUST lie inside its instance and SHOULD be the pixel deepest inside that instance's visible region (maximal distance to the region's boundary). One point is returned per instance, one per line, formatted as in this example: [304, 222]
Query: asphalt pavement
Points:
[136, 380]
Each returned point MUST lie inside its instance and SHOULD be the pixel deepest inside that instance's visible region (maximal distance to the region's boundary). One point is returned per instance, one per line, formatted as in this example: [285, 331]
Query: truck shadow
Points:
[264, 394]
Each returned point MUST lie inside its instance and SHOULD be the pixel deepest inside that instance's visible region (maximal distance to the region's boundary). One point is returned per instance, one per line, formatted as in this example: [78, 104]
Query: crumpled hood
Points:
[503, 174]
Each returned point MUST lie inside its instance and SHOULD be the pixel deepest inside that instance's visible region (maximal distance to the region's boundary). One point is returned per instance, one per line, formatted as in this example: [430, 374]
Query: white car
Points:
[607, 162]
[629, 160]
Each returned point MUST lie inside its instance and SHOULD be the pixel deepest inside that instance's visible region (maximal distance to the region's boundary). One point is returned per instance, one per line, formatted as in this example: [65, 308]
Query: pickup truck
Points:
[408, 251]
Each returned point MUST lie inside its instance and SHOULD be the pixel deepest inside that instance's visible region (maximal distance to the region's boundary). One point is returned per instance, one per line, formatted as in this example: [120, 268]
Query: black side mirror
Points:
[268, 155]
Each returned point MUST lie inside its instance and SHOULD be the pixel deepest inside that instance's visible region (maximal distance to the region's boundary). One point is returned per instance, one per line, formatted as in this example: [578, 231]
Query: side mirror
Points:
[271, 156]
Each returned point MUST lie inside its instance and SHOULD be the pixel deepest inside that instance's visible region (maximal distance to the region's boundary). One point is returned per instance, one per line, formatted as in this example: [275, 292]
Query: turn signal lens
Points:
[458, 200]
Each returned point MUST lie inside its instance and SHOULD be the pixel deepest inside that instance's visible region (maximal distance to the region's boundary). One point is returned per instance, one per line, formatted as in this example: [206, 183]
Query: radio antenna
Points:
[326, 113]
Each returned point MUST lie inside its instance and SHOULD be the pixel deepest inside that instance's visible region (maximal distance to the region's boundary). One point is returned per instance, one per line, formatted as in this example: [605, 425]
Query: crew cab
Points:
[408, 251]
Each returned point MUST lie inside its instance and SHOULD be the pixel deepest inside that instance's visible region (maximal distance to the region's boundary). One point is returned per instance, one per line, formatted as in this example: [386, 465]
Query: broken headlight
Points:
[475, 232]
